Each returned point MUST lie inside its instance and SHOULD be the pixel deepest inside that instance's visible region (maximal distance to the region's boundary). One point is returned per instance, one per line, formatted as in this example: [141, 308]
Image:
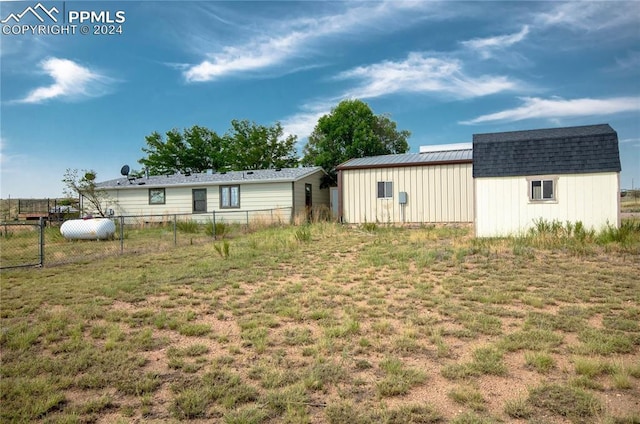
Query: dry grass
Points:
[327, 324]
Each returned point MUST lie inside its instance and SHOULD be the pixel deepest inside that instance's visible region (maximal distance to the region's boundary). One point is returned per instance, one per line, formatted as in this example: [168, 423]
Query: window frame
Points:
[193, 200]
[541, 180]
[229, 190]
[162, 191]
[387, 190]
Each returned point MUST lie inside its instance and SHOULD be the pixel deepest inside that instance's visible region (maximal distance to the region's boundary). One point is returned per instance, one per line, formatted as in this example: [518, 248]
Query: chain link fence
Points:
[42, 243]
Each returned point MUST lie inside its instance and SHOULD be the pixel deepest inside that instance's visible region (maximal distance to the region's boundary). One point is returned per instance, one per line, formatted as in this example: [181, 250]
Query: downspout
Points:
[340, 216]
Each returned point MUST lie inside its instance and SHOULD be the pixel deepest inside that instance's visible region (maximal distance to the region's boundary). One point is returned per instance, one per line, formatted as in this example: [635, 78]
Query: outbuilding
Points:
[233, 196]
[560, 174]
[434, 186]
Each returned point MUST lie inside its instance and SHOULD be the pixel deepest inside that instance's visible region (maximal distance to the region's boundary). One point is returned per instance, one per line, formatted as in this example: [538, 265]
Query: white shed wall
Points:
[503, 207]
[435, 193]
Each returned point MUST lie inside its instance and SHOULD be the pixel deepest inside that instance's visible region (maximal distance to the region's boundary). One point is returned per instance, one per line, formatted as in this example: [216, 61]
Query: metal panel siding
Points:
[437, 193]
[503, 206]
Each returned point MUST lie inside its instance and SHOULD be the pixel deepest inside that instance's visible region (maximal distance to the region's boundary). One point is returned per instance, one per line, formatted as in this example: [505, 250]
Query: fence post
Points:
[247, 219]
[121, 234]
[41, 225]
[175, 229]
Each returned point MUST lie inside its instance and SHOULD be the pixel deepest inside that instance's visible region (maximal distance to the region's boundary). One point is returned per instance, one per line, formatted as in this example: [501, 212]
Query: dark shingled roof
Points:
[570, 150]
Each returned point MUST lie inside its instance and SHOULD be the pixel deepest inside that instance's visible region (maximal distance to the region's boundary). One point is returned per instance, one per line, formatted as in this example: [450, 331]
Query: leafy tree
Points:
[253, 146]
[247, 145]
[350, 131]
[86, 187]
[196, 149]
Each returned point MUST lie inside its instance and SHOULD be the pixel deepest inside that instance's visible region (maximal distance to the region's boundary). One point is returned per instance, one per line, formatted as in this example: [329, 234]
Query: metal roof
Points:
[409, 159]
[199, 179]
[568, 150]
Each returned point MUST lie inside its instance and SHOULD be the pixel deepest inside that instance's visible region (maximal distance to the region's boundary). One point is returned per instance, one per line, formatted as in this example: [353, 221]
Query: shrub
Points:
[625, 234]
[571, 402]
[189, 226]
[219, 229]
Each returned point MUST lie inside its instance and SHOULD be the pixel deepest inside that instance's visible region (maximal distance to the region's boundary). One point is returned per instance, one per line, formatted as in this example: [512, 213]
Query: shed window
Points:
[542, 190]
[229, 197]
[385, 189]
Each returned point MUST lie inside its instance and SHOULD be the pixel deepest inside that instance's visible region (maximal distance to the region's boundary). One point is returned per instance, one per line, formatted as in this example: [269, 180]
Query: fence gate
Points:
[21, 244]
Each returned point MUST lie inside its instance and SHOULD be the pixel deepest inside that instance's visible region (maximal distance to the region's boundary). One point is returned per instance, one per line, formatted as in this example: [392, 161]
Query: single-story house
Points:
[232, 196]
[435, 185]
[558, 174]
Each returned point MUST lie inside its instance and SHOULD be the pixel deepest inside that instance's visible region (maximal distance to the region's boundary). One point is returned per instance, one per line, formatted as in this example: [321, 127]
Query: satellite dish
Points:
[124, 170]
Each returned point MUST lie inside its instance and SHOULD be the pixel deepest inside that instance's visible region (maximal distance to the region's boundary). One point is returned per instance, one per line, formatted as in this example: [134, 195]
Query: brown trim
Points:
[404, 164]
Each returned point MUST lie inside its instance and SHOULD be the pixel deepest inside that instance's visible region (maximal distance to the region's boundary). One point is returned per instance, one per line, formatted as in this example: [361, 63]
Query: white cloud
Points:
[420, 73]
[537, 108]
[257, 55]
[486, 46]
[70, 81]
[303, 123]
[591, 16]
[282, 42]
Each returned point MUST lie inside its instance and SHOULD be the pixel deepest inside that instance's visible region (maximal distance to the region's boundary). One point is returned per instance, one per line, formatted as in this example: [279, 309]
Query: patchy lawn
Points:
[330, 324]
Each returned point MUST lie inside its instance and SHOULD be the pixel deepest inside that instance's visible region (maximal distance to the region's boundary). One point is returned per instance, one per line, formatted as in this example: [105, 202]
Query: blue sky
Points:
[442, 70]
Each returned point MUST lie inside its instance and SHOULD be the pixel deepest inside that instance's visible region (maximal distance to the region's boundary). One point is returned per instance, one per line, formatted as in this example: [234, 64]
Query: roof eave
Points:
[404, 164]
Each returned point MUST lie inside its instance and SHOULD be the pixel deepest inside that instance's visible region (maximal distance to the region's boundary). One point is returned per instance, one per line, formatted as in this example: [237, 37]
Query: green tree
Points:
[196, 149]
[253, 146]
[246, 145]
[85, 186]
[352, 130]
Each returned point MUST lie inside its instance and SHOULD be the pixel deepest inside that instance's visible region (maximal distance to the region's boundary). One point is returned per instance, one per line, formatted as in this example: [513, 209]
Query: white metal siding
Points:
[503, 207]
[178, 200]
[436, 193]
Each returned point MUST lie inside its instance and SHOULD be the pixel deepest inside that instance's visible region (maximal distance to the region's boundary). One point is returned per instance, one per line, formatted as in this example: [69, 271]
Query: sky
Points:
[83, 83]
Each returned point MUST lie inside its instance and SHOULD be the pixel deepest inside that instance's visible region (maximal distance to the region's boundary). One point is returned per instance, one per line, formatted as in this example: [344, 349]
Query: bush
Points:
[627, 233]
[219, 229]
[190, 227]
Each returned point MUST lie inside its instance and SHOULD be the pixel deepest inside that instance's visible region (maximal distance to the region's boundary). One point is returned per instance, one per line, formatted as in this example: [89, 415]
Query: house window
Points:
[199, 196]
[542, 189]
[385, 189]
[156, 196]
[229, 197]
